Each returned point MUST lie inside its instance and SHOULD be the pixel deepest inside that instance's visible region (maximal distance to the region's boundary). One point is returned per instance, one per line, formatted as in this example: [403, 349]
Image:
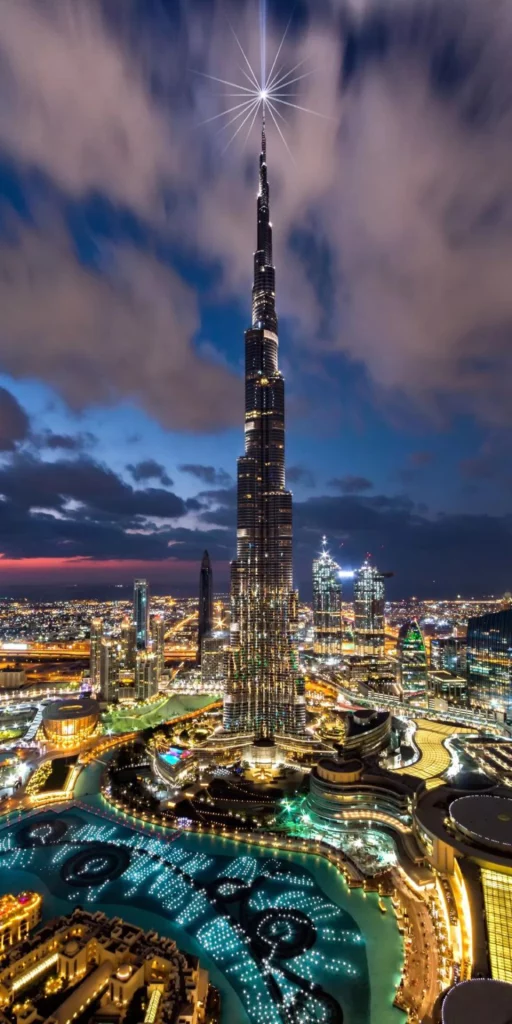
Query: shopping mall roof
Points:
[484, 819]
[480, 1000]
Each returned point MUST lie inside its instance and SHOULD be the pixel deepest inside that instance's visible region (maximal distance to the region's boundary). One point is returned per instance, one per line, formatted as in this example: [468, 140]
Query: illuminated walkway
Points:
[434, 759]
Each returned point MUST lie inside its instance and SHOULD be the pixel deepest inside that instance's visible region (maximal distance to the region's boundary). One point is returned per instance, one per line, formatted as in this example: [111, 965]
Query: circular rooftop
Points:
[485, 819]
[478, 1000]
[68, 710]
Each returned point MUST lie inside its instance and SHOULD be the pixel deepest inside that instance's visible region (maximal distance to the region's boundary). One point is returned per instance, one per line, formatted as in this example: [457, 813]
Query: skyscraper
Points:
[109, 670]
[489, 663]
[141, 613]
[263, 693]
[369, 597]
[412, 657]
[146, 683]
[205, 601]
[158, 644]
[96, 634]
[327, 619]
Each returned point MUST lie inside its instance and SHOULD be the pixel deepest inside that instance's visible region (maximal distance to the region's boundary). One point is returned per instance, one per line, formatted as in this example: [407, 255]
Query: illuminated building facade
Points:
[214, 659]
[97, 968]
[109, 670]
[264, 694]
[95, 653]
[369, 599]
[128, 645]
[412, 657]
[146, 681]
[489, 662]
[18, 915]
[327, 618]
[449, 654]
[66, 723]
[141, 613]
[205, 622]
[158, 644]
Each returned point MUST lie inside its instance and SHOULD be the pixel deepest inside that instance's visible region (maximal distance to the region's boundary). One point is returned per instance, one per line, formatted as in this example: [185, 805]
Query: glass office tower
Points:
[327, 619]
[369, 599]
[489, 663]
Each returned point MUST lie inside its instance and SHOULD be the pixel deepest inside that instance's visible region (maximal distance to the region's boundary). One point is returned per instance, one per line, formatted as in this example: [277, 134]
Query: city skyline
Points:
[118, 437]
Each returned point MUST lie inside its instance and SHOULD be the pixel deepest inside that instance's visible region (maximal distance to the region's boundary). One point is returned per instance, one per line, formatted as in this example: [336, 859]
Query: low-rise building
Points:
[104, 966]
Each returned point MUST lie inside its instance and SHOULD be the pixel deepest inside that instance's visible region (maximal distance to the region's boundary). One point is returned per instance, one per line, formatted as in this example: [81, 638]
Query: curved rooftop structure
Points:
[71, 709]
[479, 1000]
[484, 819]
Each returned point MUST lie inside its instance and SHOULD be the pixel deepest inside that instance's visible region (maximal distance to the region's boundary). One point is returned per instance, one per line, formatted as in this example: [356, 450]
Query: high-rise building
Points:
[157, 624]
[205, 601]
[109, 670]
[369, 599]
[412, 657]
[264, 694]
[214, 655]
[128, 645]
[141, 613]
[489, 662]
[96, 634]
[146, 683]
[327, 620]
[448, 653]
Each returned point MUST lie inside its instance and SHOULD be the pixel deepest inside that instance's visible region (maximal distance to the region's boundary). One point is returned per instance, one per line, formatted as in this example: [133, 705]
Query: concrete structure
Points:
[66, 723]
[98, 965]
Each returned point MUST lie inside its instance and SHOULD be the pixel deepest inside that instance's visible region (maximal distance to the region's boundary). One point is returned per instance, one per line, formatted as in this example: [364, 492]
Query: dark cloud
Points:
[300, 475]
[206, 474]
[149, 469]
[64, 442]
[30, 482]
[350, 484]
[14, 422]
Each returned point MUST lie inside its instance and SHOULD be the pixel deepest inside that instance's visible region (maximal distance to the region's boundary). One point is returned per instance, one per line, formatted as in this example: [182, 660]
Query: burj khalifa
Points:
[264, 694]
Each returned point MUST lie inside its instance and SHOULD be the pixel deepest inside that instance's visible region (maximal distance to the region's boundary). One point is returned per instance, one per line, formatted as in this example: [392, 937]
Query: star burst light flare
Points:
[268, 93]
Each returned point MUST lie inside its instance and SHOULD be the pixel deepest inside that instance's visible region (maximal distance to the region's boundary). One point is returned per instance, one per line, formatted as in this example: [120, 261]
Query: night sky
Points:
[127, 231]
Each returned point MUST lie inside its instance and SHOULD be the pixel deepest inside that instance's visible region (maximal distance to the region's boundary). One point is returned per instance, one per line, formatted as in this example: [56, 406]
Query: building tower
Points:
[369, 599]
[327, 619]
[109, 670]
[205, 601]
[96, 634]
[141, 613]
[412, 658]
[157, 624]
[263, 694]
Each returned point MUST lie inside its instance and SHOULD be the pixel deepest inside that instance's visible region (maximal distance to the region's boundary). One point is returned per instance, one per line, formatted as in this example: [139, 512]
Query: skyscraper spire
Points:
[264, 693]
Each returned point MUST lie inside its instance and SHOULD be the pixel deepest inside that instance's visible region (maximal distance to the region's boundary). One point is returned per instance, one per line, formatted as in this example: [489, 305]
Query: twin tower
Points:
[264, 694]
